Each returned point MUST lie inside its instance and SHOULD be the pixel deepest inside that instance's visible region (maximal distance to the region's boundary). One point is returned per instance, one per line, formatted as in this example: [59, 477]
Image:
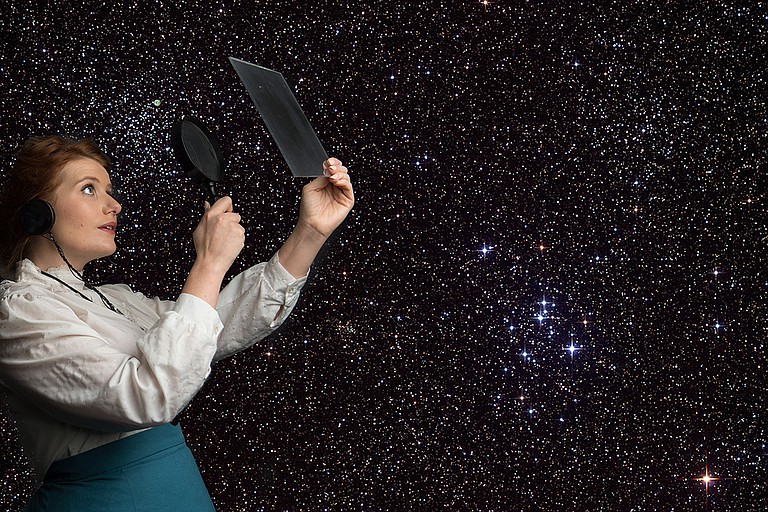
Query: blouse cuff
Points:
[200, 312]
[282, 279]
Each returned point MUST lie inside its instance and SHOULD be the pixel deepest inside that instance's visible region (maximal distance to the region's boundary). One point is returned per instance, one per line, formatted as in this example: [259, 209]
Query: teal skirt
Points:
[148, 471]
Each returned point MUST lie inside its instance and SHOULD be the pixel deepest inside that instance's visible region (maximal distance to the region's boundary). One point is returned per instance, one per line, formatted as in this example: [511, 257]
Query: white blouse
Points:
[77, 375]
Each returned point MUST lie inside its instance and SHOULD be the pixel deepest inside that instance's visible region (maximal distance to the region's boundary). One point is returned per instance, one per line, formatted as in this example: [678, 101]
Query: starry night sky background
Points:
[551, 293]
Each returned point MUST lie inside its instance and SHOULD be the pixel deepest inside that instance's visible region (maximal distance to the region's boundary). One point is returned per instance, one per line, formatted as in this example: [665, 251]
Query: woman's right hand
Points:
[219, 237]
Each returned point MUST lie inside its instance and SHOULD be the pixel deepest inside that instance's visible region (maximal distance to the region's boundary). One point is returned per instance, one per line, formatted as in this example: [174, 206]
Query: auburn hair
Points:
[35, 174]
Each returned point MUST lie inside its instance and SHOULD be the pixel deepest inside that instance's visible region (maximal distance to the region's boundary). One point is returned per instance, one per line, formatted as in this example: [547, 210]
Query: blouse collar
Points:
[29, 272]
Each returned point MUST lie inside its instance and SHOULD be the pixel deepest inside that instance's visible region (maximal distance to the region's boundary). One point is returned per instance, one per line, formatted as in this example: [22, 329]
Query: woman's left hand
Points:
[326, 201]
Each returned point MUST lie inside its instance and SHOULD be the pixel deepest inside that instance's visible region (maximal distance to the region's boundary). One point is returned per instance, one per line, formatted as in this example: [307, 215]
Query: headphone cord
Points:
[79, 276]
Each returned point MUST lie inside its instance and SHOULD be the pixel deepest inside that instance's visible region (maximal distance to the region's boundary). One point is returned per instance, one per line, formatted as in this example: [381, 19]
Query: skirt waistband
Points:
[114, 455]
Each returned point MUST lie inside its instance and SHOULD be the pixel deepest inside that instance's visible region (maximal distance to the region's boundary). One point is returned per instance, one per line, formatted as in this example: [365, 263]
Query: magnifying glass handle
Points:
[211, 193]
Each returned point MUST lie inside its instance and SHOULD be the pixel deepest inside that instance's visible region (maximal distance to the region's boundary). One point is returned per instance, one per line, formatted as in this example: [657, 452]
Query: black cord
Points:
[79, 276]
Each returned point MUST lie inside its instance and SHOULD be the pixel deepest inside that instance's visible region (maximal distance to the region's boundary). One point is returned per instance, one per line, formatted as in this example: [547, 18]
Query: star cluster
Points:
[551, 294]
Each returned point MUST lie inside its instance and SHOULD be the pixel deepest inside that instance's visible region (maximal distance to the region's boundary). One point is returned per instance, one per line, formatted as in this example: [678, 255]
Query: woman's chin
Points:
[108, 251]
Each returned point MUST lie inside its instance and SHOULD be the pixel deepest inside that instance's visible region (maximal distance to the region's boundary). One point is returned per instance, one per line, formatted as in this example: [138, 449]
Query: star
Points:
[717, 326]
[706, 479]
[486, 250]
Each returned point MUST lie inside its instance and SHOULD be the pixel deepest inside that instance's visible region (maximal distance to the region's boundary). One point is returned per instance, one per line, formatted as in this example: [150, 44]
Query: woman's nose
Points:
[113, 207]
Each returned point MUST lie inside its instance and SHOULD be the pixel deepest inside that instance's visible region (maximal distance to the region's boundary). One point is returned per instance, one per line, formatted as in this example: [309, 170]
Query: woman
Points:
[94, 376]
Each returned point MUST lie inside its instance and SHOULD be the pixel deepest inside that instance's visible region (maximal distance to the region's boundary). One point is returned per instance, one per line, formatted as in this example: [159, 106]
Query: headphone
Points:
[37, 217]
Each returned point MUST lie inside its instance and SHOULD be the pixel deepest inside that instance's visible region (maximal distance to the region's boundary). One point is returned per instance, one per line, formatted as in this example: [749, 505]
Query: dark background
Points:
[610, 158]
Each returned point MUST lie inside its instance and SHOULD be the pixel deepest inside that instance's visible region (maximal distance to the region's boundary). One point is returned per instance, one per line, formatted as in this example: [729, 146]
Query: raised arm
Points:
[257, 301]
[325, 203]
[218, 238]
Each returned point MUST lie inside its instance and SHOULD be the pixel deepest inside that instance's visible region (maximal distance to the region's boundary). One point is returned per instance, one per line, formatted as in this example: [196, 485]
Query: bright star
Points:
[717, 326]
[707, 479]
[486, 249]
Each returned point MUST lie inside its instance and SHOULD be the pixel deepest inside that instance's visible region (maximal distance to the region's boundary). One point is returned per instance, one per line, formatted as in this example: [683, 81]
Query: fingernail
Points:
[335, 177]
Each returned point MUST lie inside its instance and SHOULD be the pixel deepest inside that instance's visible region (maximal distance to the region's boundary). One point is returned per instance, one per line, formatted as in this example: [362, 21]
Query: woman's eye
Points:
[88, 189]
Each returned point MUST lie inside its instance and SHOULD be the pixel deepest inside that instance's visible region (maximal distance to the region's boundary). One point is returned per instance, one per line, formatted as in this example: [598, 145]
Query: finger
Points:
[240, 234]
[344, 186]
[336, 169]
[222, 205]
[206, 205]
[343, 182]
[339, 173]
[331, 161]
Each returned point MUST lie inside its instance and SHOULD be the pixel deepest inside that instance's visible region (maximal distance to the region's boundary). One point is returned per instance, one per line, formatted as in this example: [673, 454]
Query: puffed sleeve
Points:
[254, 304]
[55, 360]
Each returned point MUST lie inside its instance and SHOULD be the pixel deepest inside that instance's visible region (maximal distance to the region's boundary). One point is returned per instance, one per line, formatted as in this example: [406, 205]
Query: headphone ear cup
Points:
[37, 217]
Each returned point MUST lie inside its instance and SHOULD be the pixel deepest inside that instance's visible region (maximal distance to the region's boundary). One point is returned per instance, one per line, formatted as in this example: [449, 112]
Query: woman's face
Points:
[86, 213]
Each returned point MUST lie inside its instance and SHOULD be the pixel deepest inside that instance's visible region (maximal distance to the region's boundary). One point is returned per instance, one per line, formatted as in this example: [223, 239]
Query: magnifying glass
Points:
[198, 153]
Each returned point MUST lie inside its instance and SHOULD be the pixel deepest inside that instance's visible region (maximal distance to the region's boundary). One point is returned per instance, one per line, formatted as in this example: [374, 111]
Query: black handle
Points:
[210, 192]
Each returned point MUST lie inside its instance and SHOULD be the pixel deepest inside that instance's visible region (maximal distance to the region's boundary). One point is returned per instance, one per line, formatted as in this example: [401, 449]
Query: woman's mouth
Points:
[109, 227]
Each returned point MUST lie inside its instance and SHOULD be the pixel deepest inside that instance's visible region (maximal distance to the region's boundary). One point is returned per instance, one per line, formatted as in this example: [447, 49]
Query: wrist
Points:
[204, 281]
[298, 252]
[309, 233]
[213, 270]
